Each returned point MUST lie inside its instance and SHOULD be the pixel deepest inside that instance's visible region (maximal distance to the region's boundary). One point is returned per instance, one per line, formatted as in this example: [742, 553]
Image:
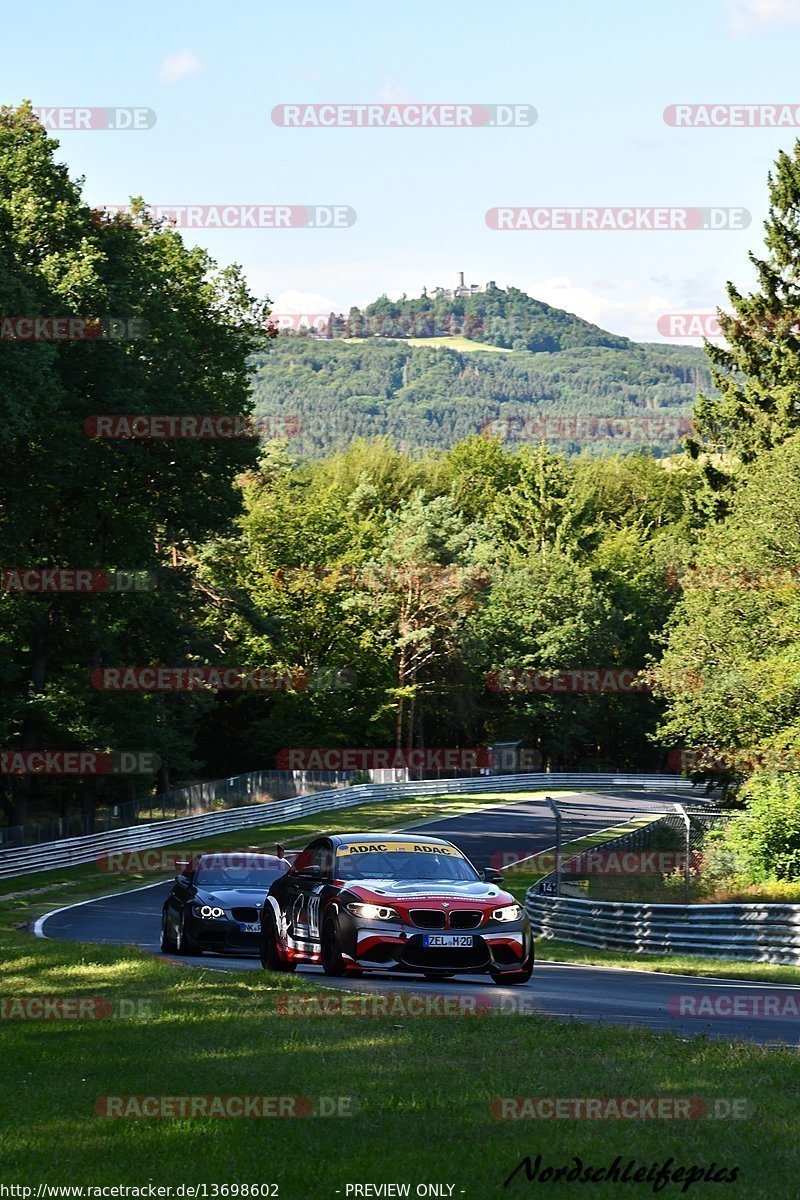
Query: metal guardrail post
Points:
[557, 814]
[686, 849]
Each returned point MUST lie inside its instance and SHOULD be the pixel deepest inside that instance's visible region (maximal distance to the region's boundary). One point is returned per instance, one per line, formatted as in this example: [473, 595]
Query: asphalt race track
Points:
[518, 827]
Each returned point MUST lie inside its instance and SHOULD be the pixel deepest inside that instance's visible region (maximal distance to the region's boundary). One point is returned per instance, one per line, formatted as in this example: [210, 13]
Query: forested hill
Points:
[507, 318]
[429, 373]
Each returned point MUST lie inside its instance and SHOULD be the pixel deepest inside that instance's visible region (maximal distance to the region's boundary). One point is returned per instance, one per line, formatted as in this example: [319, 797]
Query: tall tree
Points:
[757, 372]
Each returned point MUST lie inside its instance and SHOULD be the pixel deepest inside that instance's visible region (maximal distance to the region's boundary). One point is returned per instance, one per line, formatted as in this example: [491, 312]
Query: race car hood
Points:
[232, 897]
[427, 889]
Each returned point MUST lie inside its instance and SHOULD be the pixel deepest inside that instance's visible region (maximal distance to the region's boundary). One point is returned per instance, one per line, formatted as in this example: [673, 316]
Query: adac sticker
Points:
[389, 847]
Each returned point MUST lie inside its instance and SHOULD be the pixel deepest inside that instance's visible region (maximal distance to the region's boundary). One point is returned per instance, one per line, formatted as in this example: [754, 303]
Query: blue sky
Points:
[599, 76]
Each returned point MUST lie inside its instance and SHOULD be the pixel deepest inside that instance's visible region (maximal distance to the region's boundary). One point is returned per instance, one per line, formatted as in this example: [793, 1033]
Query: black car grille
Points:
[427, 918]
[465, 918]
[443, 958]
[244, 914]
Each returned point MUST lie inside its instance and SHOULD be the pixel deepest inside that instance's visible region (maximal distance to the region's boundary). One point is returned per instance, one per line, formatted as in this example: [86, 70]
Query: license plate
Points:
[463, 940]
[250, 926]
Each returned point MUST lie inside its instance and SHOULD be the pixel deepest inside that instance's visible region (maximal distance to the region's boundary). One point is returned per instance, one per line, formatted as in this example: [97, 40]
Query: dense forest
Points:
[430, 397]
[388, 589]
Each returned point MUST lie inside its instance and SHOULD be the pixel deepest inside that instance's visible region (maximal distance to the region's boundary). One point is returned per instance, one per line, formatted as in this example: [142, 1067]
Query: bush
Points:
[762, 844]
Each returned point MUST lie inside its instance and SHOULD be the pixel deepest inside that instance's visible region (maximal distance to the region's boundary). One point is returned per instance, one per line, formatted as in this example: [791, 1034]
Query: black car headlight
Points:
[373, 912]
[509, 912]
[209, 912]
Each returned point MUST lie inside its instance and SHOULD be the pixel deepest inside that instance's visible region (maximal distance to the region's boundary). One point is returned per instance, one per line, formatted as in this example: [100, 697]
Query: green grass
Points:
[423, 1088]
[549, 949]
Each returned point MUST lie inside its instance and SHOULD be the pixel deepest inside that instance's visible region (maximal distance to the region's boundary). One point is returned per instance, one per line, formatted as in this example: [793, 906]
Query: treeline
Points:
[431, 398]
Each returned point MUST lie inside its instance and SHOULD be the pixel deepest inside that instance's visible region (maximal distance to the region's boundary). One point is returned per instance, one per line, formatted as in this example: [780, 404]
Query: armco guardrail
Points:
[749, 932]
[74, 851]
[233, 791]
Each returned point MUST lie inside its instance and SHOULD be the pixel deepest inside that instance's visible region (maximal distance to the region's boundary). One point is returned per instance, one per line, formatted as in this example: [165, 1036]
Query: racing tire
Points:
[331, 946]
[268, 947]
[513, 978]
[184, 944]
[168, 944]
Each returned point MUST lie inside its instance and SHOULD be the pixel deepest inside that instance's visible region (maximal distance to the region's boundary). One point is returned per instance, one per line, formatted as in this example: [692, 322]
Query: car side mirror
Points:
[312, 871]
[491, 876]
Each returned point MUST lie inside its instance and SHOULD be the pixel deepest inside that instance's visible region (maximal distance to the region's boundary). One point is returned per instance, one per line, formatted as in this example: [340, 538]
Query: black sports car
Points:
[361, 901]
[216, 901]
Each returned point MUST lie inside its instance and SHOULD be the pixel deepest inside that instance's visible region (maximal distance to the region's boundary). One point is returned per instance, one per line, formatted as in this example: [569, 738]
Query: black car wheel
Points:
[168, 943]
[268, 950]
[183, 943]
[512, 978]
[332, 961]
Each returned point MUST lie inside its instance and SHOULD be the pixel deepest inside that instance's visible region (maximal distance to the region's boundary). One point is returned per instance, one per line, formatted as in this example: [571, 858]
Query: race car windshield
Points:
[405, 865]
[236, 877]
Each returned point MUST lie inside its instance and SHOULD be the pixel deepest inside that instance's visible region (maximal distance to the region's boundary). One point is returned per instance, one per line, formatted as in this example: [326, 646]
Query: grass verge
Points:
[551, 950]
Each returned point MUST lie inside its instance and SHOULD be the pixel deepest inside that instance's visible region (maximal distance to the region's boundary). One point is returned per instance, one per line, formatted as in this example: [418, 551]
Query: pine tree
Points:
[757, 373]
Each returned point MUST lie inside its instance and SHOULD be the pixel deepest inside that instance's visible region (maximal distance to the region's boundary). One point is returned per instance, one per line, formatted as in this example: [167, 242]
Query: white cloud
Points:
[303, 302]
[635, 318]
[747, 17]
[179, 66]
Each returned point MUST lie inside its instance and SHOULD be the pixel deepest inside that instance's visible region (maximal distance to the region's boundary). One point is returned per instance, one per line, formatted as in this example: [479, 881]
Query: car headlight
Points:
[208, 912]
[373, 912]
[510, 912]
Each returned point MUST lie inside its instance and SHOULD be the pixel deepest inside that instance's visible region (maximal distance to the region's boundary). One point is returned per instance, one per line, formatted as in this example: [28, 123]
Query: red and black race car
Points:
[361, 902]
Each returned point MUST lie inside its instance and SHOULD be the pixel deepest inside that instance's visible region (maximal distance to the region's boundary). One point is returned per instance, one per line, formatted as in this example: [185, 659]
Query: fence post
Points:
[556, 813]
[686, 850]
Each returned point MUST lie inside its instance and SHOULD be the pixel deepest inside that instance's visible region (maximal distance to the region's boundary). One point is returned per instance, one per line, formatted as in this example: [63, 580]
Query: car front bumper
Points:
[400, 947]
[221, 934]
